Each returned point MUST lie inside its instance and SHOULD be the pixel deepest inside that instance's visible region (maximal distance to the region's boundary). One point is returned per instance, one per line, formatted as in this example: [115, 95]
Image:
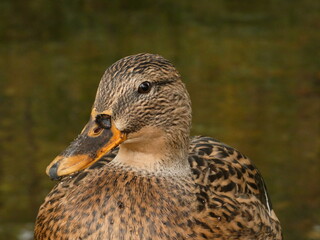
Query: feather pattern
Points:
[196, 188]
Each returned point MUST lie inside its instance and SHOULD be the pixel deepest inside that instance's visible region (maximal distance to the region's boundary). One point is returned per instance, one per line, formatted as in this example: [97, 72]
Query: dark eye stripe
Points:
[165, 82]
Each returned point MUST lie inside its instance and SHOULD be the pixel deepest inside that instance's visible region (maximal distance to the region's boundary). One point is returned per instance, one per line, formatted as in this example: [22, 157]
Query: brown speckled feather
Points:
[157, 184]
[224, 198]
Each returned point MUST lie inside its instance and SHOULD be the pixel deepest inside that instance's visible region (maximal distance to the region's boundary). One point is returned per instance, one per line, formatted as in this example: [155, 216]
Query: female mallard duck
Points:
[152, 181]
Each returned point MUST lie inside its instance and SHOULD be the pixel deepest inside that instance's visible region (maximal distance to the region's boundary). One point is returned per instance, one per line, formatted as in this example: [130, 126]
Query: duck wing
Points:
[232, 197]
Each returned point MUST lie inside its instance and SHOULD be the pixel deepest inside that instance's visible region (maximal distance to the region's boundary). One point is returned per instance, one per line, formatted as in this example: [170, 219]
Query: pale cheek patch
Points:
[120, 124]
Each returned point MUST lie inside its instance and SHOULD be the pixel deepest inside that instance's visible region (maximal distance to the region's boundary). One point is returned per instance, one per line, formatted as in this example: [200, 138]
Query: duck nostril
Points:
[97, 130]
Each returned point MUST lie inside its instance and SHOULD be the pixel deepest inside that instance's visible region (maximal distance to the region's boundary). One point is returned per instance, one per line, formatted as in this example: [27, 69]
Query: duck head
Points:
[143, 106]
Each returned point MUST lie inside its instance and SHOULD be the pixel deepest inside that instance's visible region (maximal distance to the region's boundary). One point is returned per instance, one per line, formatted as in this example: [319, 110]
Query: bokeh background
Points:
[252, 69]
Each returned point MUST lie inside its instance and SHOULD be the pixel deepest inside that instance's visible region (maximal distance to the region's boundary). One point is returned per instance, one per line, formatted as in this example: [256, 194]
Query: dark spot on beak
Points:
[104, 121]
[53, 172]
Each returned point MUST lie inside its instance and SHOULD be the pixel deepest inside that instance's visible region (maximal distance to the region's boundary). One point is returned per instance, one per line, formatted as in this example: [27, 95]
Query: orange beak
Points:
[93, 142]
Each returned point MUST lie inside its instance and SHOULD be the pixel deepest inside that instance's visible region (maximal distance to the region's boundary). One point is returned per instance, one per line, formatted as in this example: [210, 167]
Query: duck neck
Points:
[153, 150]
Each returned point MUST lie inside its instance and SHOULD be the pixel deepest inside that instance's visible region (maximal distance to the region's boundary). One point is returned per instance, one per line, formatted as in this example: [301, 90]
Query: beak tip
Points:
[53, 172]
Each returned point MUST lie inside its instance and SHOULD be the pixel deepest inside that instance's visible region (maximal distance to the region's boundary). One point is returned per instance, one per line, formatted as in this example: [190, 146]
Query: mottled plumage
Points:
[157, 184]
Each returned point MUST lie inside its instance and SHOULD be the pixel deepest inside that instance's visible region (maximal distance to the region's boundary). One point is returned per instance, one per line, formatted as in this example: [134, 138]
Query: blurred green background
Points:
[252, 69]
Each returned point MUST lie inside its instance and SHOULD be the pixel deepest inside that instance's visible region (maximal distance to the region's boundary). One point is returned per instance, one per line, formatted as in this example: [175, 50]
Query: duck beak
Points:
[93, 142]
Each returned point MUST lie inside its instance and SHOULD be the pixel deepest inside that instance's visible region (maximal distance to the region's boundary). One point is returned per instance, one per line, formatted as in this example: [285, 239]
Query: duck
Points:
[134, 172]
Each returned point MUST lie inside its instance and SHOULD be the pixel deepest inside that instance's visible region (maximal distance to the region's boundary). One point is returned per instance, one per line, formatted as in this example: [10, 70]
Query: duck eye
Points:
[144, 87]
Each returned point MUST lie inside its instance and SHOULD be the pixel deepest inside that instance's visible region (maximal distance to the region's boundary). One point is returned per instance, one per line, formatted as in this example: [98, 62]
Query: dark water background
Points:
[252, 69]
